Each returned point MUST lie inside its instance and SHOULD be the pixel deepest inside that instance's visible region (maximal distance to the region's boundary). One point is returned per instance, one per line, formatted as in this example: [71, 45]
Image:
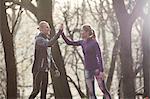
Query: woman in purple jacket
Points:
[92, 60]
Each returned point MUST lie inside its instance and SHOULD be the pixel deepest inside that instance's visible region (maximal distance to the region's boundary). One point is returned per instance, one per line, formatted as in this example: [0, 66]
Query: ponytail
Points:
[93, 36]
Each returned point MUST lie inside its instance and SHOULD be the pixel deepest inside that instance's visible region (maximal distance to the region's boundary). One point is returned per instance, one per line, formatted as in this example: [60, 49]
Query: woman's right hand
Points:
[61, 27]
[100, 74]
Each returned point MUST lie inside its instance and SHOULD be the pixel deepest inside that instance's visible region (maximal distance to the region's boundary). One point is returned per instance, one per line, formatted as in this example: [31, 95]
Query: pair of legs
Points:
[90, 74]
[40, 82]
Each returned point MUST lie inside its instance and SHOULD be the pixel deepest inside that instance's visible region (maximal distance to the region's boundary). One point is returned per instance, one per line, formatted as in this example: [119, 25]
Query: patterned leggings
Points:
[89, 75]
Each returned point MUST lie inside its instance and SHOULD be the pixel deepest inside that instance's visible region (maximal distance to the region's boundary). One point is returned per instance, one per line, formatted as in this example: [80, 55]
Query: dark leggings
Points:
[40, 82]
[90, 84]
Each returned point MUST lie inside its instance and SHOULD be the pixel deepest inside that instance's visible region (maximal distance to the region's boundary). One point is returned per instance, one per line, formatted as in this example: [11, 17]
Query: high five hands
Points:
[61, 29]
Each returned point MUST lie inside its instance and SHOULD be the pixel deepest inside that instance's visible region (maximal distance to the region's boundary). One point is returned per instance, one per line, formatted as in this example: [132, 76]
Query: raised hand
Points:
[61, 27]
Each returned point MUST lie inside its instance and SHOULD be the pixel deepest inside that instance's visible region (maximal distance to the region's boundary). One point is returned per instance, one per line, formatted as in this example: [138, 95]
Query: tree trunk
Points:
[126, 60]
[125, 22]
[10, 61]
[146, 56]
[60, 85]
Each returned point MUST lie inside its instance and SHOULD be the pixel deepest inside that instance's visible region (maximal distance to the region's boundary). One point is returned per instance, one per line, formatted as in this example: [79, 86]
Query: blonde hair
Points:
[87, 28]
[42, 22]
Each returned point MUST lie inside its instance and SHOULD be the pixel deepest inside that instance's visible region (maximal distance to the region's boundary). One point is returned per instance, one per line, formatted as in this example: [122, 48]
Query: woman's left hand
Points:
[97, 72]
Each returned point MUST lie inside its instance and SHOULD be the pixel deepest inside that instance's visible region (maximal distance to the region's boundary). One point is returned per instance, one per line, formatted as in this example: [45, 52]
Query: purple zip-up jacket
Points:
[91, 51]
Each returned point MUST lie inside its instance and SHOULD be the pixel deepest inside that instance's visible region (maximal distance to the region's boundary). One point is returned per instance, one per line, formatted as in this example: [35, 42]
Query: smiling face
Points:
[44, 27]
[86, 32]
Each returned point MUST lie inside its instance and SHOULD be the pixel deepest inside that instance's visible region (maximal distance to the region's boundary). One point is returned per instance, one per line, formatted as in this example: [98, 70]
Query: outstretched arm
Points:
[54, 39]
[40, 41]
[69, 42]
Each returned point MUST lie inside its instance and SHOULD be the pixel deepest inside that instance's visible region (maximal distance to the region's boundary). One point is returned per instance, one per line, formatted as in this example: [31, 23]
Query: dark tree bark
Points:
[125, 49]
[146, 55]
[126, 21]
[10, 61]
[126, 61]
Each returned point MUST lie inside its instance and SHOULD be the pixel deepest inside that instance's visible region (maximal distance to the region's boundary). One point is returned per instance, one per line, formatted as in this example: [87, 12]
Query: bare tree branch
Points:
[78, 89]
[15, 23]
[27, 5]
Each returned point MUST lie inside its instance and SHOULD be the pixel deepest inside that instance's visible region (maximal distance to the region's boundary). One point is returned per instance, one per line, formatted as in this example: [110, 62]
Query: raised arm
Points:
[98, 56]
[54, 39]
[40, 41]
[69, 42]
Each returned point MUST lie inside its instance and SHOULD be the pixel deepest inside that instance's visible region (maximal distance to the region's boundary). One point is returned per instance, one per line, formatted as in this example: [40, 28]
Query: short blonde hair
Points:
[41, 23]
